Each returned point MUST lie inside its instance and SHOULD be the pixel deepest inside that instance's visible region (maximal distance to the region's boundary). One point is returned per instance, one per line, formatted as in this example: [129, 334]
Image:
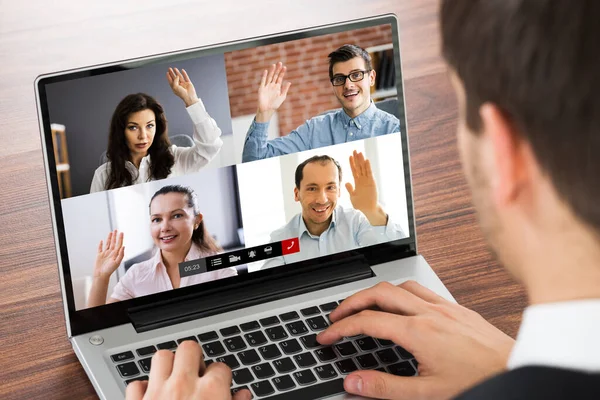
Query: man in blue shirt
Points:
[323, 227]
[351, 75]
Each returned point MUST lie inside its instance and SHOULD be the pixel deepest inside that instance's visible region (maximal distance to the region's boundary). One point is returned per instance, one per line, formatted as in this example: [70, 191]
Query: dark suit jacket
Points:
[537, 383]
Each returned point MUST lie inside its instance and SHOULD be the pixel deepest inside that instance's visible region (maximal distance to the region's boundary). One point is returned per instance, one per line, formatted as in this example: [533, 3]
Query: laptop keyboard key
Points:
[242, 376]
[208, 336]
[403, 368]
[310, 341]
[346, 349]
[125, 356]
[128, 369]
[146, 351]
[283, 383]
[255, 338]
[145, 364]
[263, 371]
[346, 366]
[284, 365]
[269, 352]
[213, 349]
[305, 360]
[367, 361]
[328, 307]
[249, 357]
[289, 316]
[290, 346]
[305, 377]
[317, 323]
[231, 330]
[171, 345]
[276, 333]
[326, 371]
[326, 354]
[192, 338]
[237, 389]
[235, 343]
[262, 388]
[387, 356]
[385, 342]
[366, 344]
[297, 328]
[405, 354]
[269, 321]
[310, 311]
[139, 378]
[230, 360]
[250, 326]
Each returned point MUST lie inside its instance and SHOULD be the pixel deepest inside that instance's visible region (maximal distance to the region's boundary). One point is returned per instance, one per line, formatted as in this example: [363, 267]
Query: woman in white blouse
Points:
[178, 231]
[138, 143]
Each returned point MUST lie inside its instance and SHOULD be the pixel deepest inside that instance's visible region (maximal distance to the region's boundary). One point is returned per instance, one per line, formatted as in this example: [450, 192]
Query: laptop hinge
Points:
[286, 284]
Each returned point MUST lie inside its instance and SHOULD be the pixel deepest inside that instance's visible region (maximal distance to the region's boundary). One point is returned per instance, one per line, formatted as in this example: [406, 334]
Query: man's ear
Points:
[296, 194]
[372, 75]
[506, 154]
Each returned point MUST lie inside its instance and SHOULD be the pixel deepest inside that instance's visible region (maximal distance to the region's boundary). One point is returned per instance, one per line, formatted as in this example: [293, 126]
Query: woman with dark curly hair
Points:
[139, 149]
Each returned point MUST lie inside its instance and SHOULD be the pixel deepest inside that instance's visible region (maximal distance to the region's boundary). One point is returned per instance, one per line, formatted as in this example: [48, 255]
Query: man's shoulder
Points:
[537, 383]
[291, 228]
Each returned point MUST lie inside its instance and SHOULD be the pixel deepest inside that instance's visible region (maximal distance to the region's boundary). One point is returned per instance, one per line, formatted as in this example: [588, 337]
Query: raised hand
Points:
[364, 193]
[183, 376]
[455, 347]
[109, 255]
[182, 86]
[271, 92]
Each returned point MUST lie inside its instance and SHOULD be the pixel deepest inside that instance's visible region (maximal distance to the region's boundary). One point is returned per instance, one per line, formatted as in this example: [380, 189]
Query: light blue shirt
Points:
[323, 130]
[349, 229]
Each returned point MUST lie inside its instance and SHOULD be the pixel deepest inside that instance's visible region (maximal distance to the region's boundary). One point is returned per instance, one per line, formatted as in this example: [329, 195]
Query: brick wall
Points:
[307, 69]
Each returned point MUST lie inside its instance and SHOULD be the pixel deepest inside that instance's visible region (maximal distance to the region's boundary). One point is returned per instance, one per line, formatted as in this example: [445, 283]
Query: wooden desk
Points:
[36, 359]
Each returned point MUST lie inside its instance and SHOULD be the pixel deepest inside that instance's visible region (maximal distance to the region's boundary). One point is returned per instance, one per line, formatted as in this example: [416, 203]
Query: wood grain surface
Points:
[36, 360]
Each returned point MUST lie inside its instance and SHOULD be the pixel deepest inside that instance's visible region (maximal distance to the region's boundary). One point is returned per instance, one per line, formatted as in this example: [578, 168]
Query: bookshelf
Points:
[382, 57]
[61, 157]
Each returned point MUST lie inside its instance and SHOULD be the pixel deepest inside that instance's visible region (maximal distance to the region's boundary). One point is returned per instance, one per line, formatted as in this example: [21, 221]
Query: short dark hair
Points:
[537, 61]
[315, 159]
[200, 236]
[348, 52]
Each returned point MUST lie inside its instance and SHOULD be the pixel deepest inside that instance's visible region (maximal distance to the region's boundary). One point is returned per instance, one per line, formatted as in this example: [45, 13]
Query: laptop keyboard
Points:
[278, 357]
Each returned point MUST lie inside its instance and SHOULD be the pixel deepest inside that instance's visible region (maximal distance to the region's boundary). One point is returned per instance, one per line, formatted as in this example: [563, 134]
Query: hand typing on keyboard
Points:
[454, 346]
[183, 376]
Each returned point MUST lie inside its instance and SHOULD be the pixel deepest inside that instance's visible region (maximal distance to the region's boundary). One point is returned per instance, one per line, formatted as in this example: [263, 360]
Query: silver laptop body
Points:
[107, 337]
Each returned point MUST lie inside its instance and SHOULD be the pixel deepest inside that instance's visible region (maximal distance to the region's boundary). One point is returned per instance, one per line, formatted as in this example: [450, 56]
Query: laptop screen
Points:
[187, 168]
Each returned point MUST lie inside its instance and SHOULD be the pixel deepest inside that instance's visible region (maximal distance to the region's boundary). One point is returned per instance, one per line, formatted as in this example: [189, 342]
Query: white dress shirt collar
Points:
[562, 335]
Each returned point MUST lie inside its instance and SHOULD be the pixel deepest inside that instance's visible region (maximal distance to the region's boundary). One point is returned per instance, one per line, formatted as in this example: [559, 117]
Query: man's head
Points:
[317, 189]
[528, 84]
[347, 64]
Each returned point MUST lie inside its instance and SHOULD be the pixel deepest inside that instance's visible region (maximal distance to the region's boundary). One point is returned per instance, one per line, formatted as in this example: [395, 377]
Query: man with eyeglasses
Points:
[351, 75]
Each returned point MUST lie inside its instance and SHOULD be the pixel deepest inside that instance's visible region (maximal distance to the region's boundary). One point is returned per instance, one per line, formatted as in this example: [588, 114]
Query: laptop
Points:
[258, 301]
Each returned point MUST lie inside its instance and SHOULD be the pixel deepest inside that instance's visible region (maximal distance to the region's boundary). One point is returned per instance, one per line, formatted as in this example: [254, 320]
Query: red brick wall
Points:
[307, 69]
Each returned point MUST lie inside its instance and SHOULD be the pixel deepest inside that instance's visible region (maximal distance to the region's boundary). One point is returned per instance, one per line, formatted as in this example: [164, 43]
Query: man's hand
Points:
[455, 347]
[271, 92]
[182, 86]
[364, 195]
[183, 376]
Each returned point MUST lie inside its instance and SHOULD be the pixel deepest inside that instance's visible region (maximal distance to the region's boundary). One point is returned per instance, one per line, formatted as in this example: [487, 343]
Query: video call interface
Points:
[229, 163]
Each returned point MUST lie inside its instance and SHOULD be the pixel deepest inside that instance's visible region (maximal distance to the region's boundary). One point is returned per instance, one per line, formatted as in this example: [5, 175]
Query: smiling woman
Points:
[139, 149]
[179, 234]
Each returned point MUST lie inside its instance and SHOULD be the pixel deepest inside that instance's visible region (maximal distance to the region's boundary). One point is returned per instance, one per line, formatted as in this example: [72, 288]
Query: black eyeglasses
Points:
[356, 76]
